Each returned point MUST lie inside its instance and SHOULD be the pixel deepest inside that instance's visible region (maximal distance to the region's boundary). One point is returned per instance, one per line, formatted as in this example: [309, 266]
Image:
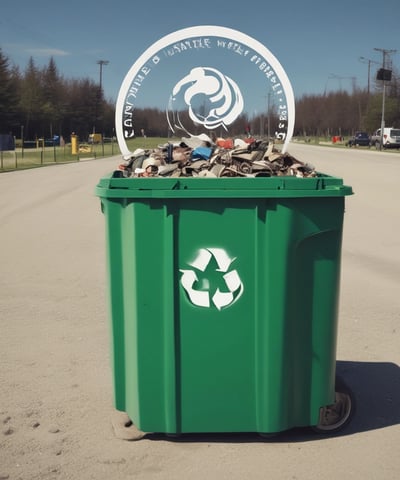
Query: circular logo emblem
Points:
[206, 79]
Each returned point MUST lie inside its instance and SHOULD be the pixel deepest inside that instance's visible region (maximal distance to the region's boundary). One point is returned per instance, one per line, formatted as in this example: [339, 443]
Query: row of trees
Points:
[342, 113]
[40, 103]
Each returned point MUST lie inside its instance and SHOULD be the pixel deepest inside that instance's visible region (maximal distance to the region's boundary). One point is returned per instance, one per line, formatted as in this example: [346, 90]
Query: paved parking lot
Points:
[56, 392]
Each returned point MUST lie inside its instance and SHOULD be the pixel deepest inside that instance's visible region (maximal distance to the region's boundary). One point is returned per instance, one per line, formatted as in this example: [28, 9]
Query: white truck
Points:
[390, 138]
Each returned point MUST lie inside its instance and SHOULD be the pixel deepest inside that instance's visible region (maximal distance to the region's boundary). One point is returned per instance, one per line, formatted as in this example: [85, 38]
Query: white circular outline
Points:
[202, 31]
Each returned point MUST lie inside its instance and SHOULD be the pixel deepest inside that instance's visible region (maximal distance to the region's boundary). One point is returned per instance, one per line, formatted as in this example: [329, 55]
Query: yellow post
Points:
[74, 144]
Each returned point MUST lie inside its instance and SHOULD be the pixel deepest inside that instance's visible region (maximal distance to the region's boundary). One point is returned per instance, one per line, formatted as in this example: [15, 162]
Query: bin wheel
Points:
[335, 417]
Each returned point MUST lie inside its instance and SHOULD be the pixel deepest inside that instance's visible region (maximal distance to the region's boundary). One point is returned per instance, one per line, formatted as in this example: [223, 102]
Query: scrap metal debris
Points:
[198, 156]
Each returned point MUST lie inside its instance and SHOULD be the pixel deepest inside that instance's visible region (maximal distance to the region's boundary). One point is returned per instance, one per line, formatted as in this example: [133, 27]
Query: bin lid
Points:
[188, 187]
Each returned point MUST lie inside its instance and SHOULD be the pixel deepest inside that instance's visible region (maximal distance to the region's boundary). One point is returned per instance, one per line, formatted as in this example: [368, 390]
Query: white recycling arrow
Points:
[197, 297]
[202, 260]
[233, 282]
[222, 299]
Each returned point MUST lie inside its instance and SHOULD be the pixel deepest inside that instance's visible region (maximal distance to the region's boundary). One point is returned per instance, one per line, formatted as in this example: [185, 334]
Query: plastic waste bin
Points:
[223, 296]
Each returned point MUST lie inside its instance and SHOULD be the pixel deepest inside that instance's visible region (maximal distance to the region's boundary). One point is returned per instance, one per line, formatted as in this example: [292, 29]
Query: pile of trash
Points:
[199, 156]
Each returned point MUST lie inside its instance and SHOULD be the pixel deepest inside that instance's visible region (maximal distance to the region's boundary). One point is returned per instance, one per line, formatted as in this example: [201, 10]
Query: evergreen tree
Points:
[31, 101]
[52, 92]
[8, 96]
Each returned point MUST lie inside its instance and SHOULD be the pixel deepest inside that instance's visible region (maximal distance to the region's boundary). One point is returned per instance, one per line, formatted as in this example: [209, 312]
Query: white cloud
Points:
[47, 52]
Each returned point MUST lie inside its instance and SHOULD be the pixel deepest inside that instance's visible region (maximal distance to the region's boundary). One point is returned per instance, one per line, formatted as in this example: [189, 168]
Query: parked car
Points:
[361, 139]
[390, 138]
[48, 142]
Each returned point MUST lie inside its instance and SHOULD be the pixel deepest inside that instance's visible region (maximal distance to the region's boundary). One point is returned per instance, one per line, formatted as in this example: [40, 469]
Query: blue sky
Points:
[317, 43]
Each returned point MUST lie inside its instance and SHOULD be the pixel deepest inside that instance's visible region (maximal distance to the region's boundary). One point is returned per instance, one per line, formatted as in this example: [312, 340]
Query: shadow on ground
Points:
[376, 388]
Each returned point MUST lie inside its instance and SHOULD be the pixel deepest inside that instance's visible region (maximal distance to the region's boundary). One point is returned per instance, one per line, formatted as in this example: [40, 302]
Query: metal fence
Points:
[41, 155]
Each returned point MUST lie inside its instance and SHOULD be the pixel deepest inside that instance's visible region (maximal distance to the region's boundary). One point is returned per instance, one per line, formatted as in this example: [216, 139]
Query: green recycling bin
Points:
[223, 300]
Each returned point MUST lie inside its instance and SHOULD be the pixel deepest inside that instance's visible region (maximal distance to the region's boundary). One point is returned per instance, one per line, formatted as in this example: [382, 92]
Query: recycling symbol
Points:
[211, 281]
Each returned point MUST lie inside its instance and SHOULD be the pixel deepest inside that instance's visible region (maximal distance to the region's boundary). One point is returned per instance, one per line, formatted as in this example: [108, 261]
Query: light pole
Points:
[384, 55]
[101, 63]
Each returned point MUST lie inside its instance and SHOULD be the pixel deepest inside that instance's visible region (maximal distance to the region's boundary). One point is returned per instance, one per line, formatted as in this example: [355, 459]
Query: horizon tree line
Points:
[40, 103]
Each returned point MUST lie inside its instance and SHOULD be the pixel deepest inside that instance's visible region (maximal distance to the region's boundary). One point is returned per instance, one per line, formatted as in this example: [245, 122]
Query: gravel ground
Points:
[56, 391]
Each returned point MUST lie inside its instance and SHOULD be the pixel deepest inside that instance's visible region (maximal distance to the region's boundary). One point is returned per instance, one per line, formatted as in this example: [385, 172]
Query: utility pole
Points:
[268, 97]
[367, 60]
[385, 53]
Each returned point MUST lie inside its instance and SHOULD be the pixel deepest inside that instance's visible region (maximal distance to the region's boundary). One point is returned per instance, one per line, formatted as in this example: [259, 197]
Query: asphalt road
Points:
[56, 393]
